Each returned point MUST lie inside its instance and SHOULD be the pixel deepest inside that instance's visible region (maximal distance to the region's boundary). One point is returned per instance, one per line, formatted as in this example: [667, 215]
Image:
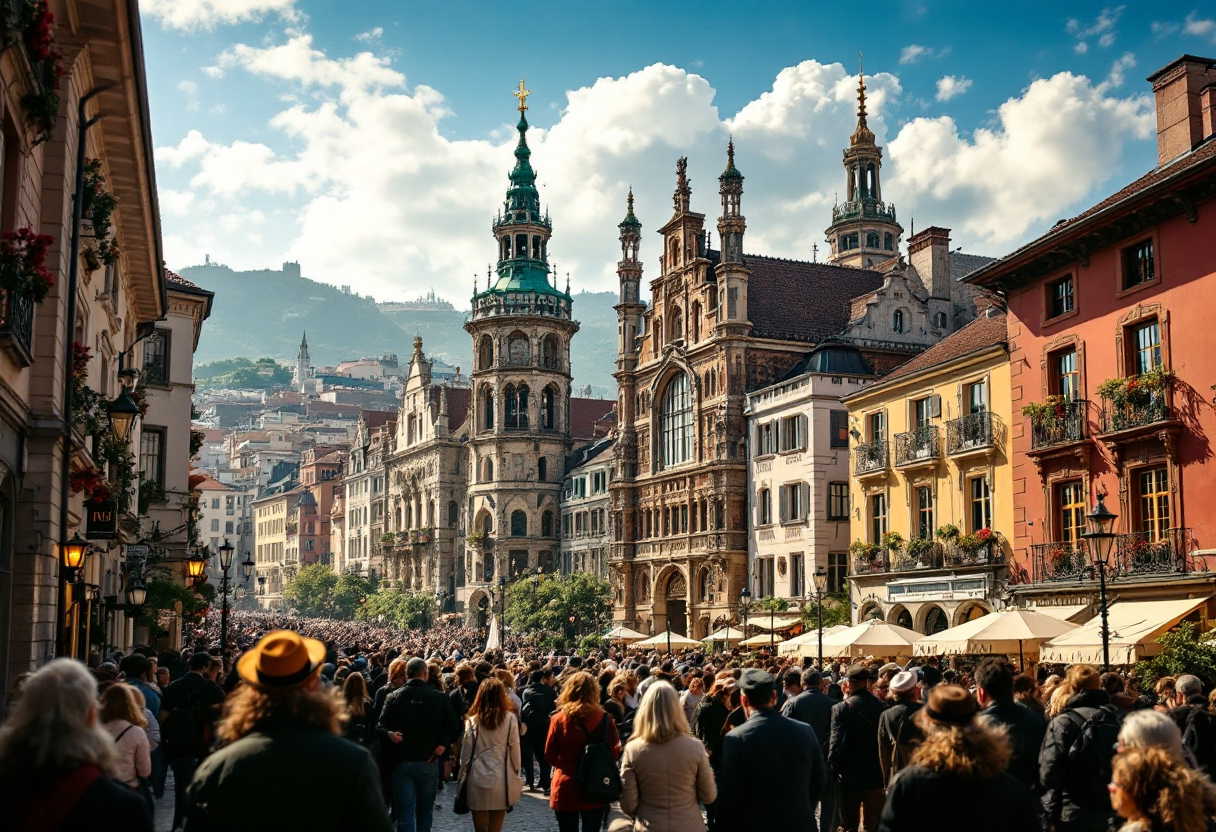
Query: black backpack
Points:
[1199, 735]
[598, 779]
[1091, 756]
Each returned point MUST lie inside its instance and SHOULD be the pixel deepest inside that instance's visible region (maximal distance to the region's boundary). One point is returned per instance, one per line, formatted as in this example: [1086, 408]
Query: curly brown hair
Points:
[580, 695]
[1170, 795]
[972, 750]
[249, 707]
[491, 704]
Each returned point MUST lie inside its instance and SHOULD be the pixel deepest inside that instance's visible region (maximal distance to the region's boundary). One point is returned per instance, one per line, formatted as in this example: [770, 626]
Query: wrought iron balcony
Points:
[1141, 554]
[917, 447]
[1125, 415]
[1060, 561]
[871, 565]
[954, 555]
[1067, 422]
[17, 327]
[870, 458]
[973, 432]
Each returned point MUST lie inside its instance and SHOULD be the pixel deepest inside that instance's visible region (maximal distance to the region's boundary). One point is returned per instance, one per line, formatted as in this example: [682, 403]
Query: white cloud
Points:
[1115, 77]
[949, 86]
[371, 34]
[1102, 28]
[175, 203]
[1203, 27]
[207, 14]
[355, 177]
[914, 52]
[1046, 152]
[1164, 28]
[187, 87]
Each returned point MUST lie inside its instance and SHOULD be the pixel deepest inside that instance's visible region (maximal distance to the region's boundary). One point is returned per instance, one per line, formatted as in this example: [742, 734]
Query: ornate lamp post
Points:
[73, 553]
[1101, 540]
[502, 611]
[821, 585]
[247, 567]
[226, 550]
[745, 607]
[123, 412]
[196, 566]
[137, 594]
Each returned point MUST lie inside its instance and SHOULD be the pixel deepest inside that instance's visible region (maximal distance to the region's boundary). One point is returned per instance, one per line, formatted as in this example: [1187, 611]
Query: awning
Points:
[760, 621]
[1134, 626]
[1066, 612]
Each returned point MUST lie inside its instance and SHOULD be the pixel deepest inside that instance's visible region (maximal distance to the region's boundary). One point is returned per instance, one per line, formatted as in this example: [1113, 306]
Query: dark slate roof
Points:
[831, 357]
[980, 334]
[584, 413]
[588, 452]
[962, 265]
[793, 300]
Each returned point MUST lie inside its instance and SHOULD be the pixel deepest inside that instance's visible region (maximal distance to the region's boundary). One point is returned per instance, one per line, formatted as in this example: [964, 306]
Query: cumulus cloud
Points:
[1102, 28]
[1046, 152]
[1203, 27]
[354, 177]
[914, 52]
[371, 34]
[950, 86]
[1115, 77]
[207, 14]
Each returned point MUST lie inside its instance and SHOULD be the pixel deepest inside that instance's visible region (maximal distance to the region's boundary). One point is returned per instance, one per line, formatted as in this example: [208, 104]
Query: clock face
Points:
[518, 350]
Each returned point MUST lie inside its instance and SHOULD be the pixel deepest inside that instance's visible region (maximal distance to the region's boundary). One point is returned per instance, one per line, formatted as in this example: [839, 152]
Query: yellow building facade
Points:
[931, 502]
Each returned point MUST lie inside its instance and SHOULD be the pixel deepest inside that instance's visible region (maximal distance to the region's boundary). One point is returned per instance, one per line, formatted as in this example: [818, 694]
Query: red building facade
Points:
[1113, 363]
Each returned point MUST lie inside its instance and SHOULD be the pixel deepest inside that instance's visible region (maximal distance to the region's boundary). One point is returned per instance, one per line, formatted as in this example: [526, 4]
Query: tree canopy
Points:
[564, 606]
[242, 374]
[407, 610]
[317, 590]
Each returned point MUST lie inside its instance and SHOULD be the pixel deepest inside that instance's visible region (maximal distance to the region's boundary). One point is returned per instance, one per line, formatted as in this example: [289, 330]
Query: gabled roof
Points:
[795, 300]
[584, 413]
[980, 334]
[588, 452]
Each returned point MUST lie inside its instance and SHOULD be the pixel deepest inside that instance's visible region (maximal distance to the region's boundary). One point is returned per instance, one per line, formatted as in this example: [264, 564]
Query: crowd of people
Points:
[315, 724]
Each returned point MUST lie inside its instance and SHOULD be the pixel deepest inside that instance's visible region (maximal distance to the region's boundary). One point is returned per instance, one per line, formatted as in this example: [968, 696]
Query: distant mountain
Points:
[264, 313]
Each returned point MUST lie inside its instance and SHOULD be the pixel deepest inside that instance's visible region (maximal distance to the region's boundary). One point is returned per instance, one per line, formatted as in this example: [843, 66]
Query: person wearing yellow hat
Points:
[283, 737]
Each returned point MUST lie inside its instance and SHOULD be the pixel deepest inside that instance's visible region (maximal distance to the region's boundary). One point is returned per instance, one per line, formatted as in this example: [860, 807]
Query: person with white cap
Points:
[898, 735]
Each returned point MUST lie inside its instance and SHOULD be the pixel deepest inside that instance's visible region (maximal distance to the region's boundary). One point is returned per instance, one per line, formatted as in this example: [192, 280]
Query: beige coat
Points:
[663, 784]
[493, 774]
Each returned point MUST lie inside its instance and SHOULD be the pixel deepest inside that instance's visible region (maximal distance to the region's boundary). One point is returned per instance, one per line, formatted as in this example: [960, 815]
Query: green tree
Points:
[311, 591]
[407, 610]
[1182, 651]
[349, 594]
[769, 603]
[242, 374]
[568, 605]
[835, 611]
[167, 593]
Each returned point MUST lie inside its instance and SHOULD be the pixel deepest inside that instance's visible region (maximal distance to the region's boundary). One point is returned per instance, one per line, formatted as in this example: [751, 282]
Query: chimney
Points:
[1207, 117]
[1183, 88]
[929, 254]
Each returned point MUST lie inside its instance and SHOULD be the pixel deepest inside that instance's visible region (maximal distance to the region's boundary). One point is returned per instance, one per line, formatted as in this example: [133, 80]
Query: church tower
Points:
[629, 272]
[303, 365]
[731, 272]
[521, 326]
[864, 231]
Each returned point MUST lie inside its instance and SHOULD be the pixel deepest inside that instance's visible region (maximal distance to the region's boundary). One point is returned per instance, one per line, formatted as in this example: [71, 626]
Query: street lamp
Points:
[745, 606]
[502, 611]
[821, 585]
[137, 595]
[247, 566]
[123, 412]
[1101, 540]
[74, 553]
[196, 564]
[226, 551]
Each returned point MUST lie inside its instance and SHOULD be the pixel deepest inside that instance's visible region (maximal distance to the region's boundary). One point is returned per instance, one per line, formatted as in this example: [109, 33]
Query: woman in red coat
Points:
[577, 723]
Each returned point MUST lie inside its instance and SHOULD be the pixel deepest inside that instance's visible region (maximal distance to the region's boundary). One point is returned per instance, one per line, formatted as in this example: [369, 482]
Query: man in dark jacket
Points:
[772, 767]
[188, 711]
[853, 752]
[1195, 721]
[814, 708]
[539, 701]
[1024, 728]
[898, 734]
[318, 780]
[1075, 763]
[415, 728]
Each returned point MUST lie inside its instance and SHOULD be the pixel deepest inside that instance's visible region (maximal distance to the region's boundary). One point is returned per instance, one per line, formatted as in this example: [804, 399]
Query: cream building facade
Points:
[586, 532]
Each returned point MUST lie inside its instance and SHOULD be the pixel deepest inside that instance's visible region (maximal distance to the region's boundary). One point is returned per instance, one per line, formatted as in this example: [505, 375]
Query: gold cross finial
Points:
[522, 94]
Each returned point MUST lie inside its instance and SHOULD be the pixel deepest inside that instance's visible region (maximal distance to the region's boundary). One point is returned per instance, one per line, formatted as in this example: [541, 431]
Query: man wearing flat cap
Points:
[772, 766]
[286, 765]
[853, 752]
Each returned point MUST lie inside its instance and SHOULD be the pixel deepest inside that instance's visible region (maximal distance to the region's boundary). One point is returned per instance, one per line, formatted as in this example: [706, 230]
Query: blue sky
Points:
[371, 139]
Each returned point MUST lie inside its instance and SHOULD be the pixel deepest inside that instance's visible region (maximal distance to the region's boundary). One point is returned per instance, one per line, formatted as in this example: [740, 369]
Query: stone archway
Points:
[970, 612]
[477, 610]
[900, 616]
[933, 620]
[676, 595]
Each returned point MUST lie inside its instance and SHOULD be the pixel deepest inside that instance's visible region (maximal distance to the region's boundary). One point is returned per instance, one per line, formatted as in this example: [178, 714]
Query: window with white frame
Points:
[791, 434]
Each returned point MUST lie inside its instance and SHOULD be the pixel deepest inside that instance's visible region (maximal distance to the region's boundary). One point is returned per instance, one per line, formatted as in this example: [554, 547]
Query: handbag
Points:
[599, 781]
[461, 805]
[507, 773]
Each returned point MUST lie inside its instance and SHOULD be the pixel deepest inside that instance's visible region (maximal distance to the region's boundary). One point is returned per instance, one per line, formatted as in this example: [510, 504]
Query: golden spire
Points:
[522, 94]
[861, 90]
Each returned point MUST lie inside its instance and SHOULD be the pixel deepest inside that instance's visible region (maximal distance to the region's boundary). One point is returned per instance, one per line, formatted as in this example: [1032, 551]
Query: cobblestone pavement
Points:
[532, 813]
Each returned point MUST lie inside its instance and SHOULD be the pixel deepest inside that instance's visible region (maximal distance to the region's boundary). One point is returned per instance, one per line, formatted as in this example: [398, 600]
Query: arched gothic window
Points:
[489, 470]
[546, 524]
[453, 514]
[897, 321]
[517, 406]
[548, 352]
[939, 320]
[872, 239]
[675, 329]
[519, 524]
[547, 408]
[485, 353]
[888, 241]
[487, 398]
[675, 422]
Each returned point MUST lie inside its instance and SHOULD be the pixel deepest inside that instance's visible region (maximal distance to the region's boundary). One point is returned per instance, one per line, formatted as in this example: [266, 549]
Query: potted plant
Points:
[918, 549]
[23, 270]
[1060, 559]
[863, 552]
[892, 540]
[1050, 410]
[948, 533]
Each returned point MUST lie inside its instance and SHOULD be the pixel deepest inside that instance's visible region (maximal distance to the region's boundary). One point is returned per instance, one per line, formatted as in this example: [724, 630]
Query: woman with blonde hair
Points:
[125, 722]
[665, 773]
[56, 760]
[490, 758]
[1153, 793]
[579, 721]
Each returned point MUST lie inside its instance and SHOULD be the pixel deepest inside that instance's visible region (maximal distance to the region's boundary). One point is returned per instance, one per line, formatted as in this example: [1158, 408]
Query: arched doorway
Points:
[935, 621]
[970, 612]
[676, 595]
[901, 617]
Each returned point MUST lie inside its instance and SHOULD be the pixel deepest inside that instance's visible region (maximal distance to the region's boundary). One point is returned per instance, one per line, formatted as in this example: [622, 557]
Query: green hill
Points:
[264, 313]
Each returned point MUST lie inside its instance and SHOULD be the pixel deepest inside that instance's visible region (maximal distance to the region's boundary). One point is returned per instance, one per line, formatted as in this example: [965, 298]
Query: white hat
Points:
[902, 681]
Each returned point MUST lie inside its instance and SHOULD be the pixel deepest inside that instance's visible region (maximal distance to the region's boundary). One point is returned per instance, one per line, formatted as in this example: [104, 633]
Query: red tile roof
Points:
[584, 413]
[980, 334]
[798, 301]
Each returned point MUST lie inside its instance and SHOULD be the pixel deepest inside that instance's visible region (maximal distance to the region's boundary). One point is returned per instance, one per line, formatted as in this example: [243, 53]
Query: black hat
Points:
[757, 685]
[858, 673]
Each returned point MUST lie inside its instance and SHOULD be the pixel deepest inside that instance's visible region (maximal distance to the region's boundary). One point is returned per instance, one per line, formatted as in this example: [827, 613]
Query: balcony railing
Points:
[880, 562]
[863, 208]
[1121, 416]
[920, 445]
[1067, 423]
[17, 325]
[973, 432]
[1140, 553]
[870, 458]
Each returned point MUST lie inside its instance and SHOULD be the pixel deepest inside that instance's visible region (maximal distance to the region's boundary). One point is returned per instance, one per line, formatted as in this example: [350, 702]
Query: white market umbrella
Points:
[762, 640]
[779, 623]
[1005, 632]
[875, 637]
[660, 641]
[727, 634]
[623, 633]
[795, 644]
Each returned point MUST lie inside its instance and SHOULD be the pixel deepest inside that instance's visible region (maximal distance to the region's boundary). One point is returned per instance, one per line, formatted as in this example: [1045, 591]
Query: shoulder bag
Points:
[461, 804]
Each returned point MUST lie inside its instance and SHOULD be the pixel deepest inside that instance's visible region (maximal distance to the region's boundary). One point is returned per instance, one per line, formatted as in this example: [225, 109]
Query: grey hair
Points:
[1148, 728]
[1188, 685]
[54, 726]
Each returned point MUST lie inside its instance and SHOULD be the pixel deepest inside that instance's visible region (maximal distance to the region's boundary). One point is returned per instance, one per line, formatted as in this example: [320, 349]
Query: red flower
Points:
[984, 534]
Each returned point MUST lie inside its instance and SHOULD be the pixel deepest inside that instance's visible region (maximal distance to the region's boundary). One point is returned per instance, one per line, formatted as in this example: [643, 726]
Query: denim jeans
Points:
[183, 773]
[414, 789]
[160, 771]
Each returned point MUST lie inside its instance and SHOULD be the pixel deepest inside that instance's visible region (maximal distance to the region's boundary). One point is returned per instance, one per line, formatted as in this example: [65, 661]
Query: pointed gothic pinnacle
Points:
[630, 199]
[730, 152]
[861, 90]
